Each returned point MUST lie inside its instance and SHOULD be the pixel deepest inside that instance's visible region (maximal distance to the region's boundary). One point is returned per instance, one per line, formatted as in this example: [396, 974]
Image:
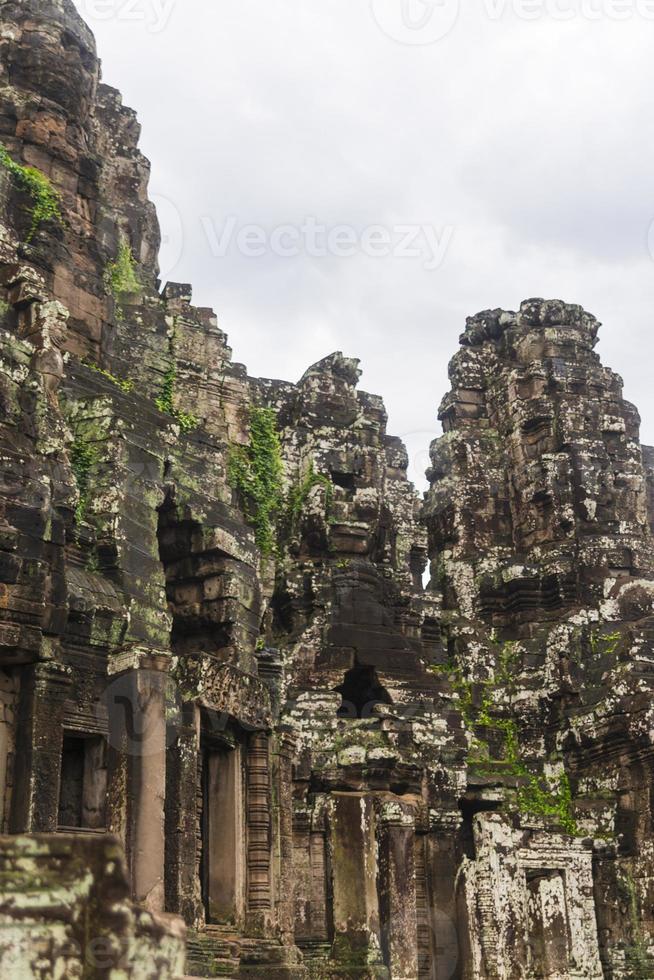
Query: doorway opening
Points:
[83, 783]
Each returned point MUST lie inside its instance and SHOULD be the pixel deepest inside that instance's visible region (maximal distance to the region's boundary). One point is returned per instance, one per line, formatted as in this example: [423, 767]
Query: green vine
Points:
[298, 496]
[120, 275]
[537, 795]
[255, 471]
[84, 456]
[125, 384]
[46, 201]
[165, 402]
[604, 643]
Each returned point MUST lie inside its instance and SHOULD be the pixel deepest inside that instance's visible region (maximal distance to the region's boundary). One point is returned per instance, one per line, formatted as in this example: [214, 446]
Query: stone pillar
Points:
[259, 833]
[397, 889]
[442, 863]
[357, 936]
[9, 694]
[311, 878]
[136, 706]
[45, 688]
[445, 902]
[183, 894]
[224, 836]
[283, 835]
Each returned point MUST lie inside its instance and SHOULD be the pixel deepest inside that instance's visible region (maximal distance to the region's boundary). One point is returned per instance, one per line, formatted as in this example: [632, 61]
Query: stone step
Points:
[227, 969]
[316, 958]
[263, 959]
[212, 953]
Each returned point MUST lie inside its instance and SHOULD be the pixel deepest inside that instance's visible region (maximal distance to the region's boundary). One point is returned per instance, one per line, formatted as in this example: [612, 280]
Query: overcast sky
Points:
[507, 145]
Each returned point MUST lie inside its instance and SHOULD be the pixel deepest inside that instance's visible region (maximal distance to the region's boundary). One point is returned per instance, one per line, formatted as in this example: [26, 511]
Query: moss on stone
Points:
[255, 471]
[298, 496]
[120, 275]
[165, 402]
[84, 456]
[537, 796]
[46, 200]
[605, 644]
[125, 384]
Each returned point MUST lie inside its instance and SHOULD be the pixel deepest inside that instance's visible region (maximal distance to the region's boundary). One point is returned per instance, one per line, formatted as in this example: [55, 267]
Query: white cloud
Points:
[531, 138]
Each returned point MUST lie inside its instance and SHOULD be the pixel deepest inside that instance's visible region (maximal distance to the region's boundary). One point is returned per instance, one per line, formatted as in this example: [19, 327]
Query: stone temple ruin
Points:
[238, 736]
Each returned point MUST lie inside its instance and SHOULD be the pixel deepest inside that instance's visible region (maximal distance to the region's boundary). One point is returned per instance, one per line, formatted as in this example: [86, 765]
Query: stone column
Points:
[357, 937]
[259, 833]
[446, 908]
[183, 894]
[284, 836]
[224, 836]
[397, 889]
[45, 687]
[136, 706]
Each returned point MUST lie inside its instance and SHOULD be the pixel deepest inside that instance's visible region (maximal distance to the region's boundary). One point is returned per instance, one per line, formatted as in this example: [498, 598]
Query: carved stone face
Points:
[636, 601]
[56, 55]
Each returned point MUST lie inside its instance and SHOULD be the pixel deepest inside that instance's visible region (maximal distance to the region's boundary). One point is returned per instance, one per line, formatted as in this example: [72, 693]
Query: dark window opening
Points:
[468, 810]
[361, 691]
[344, 480]
[83, 783]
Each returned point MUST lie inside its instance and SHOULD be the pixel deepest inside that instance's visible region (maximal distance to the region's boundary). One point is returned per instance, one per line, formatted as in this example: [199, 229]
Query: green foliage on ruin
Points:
[536, 795]
[298, 496]
[120, 275]
[605, 643]
[165, 402]
[255, 471]
[125, 384]
[46, 200]
[84, 456]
